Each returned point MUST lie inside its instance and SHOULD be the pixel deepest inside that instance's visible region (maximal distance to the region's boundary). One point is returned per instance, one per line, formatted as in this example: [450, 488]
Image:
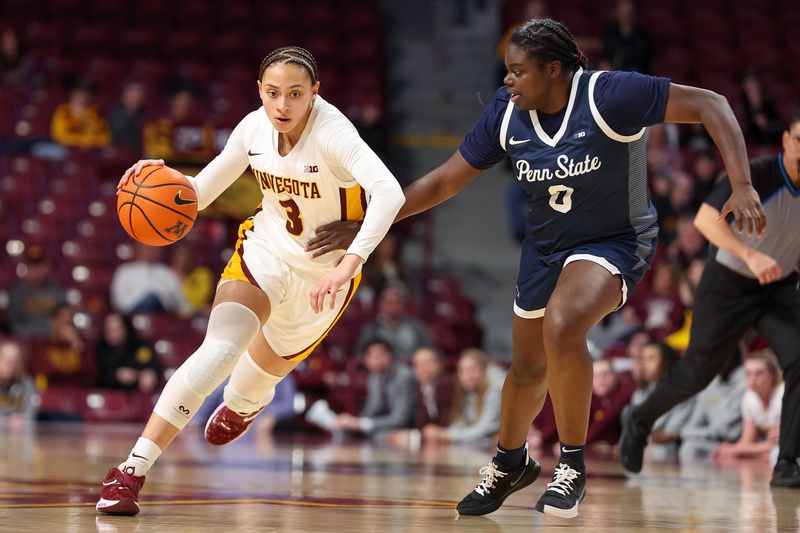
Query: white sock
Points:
[250, 387]
[142, 456]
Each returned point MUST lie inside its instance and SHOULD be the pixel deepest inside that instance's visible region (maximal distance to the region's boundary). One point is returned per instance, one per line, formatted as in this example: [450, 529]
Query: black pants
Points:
[726, 305]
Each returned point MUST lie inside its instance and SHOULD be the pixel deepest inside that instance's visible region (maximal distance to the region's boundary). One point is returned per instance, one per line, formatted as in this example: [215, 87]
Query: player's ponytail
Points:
[548, 40]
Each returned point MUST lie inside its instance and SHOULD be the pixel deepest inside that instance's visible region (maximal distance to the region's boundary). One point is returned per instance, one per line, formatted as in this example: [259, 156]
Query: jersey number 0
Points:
[561, 198]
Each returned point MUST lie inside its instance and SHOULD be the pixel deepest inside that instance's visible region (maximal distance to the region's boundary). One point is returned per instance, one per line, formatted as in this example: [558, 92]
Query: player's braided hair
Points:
[291, 54]
[548, 40]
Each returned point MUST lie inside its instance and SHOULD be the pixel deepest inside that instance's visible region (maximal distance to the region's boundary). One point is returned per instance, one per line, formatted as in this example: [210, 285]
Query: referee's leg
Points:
[780, 327]
[726, 304]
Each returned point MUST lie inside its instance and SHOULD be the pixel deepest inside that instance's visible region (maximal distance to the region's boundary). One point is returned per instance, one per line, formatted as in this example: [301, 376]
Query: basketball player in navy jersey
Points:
[577, 140]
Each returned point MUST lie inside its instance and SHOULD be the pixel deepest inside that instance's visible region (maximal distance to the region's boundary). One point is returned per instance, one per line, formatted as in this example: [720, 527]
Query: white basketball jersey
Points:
[314, 184]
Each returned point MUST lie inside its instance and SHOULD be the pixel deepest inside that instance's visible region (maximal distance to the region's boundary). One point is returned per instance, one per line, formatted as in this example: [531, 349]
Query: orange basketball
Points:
[157, 207]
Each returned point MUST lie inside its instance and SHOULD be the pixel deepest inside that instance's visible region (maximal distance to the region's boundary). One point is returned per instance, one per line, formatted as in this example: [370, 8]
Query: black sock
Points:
[511, 459]
[573, 455]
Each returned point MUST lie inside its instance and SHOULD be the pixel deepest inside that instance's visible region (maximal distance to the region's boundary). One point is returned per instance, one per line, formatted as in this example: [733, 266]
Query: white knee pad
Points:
[250, 387]
[231, 329]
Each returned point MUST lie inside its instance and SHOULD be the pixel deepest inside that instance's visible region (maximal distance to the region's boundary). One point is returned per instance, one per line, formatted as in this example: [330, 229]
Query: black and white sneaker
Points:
[564, 493]
[496, 485]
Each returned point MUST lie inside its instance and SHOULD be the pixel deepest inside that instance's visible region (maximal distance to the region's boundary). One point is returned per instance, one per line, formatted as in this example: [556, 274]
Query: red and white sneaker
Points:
[226, 426]
[120, 493]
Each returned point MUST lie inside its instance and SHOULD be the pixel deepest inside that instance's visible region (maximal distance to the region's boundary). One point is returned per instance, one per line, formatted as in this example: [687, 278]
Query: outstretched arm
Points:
[441, 183]
[692, 105]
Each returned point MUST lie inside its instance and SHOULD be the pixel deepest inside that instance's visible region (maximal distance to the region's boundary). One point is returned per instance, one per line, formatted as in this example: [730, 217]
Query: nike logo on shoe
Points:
[519, 478]
[110, 483]
[252, 153]
[181, 201]
[514, 141]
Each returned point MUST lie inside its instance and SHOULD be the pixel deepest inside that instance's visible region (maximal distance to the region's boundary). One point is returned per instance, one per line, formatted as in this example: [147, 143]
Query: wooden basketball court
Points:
[49, 477]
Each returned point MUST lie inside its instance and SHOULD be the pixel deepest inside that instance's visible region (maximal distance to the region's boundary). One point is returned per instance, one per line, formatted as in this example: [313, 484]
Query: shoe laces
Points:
[490, 475]
[562, 479]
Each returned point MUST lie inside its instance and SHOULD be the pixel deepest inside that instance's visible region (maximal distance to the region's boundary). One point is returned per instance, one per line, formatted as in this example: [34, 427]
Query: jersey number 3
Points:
[294, 222]
[561, 198]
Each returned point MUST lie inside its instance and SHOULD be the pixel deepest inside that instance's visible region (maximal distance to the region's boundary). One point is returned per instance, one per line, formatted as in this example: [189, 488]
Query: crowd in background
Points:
[387, 372]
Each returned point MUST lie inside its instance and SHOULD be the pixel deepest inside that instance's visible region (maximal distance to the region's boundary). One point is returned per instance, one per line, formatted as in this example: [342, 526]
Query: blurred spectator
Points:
[277, 415]
[434, 395]
[124, 361]
[610, 395]
[762, 122]
[704, 171]
[197, 281]
[316, 376]
[664, 148]
[62, 358]
[612, 329]
[761, 411]
[77, 123]
[17, 66]
[405, 333]
[680, 194]
[533, 9]
[127, 119]
[626, 44]
[689, 244]
[182, 136]
[385, 266]
[372, 128]
[659, 306]
[679, 340]
[18, 399]
[146, 285]
[657, 359]
[33, 299]
[391, 391]
[716, 416]
[475, 412]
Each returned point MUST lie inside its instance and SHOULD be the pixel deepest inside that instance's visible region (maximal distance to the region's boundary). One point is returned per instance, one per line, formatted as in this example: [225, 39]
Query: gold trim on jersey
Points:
[236, 269]
[353, 202]
[302, 354]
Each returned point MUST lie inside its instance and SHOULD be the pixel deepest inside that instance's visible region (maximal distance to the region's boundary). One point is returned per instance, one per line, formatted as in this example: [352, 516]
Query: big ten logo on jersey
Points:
[310, 169]
[281, 185]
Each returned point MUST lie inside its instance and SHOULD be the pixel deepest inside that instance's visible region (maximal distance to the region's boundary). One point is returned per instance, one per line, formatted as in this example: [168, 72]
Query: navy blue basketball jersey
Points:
[585, 168]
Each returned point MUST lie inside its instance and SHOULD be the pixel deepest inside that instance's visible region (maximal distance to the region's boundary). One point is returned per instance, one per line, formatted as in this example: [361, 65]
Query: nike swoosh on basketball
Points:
[252, 153]
[181, 201]
[512, 140]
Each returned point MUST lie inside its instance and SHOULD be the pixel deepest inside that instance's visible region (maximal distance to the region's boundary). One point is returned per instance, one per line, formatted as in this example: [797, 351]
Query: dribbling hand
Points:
[136, 169]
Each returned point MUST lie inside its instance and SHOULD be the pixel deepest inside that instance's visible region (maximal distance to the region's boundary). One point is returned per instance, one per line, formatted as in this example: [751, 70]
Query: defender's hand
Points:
[336, 235]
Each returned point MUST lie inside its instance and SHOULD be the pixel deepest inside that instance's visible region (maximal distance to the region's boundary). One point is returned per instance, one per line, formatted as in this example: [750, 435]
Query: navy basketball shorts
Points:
[538, 273]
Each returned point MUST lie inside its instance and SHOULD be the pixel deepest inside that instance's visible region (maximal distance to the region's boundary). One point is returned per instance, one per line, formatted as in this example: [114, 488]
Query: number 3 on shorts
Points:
[294, 221]
[558, 201]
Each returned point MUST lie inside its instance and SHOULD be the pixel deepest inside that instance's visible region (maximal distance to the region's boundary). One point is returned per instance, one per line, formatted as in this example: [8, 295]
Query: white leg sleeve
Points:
[250, 387]
[231, 329]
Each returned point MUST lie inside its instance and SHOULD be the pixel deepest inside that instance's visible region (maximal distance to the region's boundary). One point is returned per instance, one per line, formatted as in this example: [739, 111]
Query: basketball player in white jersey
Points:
[275, 302]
